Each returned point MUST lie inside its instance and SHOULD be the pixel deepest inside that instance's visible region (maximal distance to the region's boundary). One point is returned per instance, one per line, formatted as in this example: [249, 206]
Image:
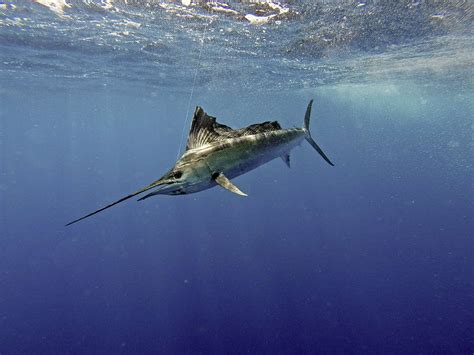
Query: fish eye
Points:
[178, 174]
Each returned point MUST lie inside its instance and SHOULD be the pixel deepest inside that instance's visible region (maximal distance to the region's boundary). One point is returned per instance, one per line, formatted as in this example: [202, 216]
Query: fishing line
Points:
[192, 89]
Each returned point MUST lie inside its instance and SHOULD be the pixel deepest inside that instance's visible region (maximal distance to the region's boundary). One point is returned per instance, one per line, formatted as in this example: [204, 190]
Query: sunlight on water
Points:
[265, 44]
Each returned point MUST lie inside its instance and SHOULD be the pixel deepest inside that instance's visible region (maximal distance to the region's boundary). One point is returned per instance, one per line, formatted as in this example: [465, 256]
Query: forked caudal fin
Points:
[308, 137]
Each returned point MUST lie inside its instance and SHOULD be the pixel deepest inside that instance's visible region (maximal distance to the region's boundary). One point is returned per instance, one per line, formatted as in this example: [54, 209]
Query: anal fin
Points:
[286, 159]
[223, 181]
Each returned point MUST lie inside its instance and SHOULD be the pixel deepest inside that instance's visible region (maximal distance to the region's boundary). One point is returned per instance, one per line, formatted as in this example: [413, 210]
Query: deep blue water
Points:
[374, 255]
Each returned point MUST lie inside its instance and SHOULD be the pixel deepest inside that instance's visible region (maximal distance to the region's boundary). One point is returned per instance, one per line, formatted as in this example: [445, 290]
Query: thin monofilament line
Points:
[192, 91]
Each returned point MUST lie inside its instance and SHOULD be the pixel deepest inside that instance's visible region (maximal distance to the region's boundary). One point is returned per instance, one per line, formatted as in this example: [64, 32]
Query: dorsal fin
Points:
[227, 132]
[205, 129]
[266, 126]
[202, 129]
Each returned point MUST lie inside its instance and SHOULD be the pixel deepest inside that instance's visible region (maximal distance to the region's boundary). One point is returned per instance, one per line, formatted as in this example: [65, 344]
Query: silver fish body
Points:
[233, 157]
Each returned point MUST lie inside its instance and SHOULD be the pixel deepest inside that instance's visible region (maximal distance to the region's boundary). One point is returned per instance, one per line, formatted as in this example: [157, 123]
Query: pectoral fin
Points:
[222, 180]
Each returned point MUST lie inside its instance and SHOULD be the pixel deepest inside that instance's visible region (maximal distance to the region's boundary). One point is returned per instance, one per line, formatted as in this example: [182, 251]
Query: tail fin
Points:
[308, 137]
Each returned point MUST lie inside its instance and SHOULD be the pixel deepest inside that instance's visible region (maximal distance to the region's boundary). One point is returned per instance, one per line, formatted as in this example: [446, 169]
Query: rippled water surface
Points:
[290, 44]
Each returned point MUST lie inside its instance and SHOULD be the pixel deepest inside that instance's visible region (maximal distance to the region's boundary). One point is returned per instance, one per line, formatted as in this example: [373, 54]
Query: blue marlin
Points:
[216, 153]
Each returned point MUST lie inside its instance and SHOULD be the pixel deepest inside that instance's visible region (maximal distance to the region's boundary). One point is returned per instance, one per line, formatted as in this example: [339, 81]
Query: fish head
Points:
[180, 180]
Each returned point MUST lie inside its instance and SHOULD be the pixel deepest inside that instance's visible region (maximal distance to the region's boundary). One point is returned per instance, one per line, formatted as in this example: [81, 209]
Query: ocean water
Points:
[373, 255]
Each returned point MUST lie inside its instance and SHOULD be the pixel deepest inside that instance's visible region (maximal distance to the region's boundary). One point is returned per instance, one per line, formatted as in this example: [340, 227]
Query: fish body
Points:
[216, 153]
[232, 157]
